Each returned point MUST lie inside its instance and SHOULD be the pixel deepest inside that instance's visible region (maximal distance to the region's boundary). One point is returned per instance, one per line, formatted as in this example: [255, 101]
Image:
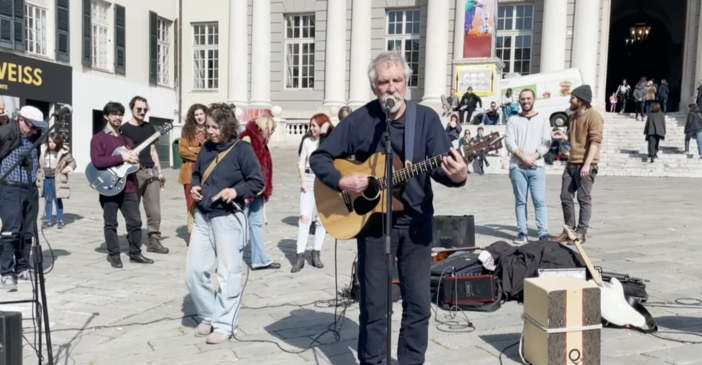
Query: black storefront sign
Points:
[31, 80]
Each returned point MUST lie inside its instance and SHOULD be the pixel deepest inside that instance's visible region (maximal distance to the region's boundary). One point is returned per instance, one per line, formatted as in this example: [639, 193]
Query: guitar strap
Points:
[410, 129]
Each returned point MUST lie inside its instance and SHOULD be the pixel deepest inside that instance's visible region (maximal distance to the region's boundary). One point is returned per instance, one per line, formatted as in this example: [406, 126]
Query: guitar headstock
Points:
[165, 128]
[487, 143]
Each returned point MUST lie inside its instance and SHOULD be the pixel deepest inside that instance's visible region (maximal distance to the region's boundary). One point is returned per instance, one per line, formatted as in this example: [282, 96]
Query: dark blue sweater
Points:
[361, 134]
[239, 169]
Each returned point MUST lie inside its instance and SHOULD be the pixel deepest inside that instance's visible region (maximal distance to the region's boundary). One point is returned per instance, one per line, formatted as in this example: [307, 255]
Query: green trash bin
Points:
[177, 161]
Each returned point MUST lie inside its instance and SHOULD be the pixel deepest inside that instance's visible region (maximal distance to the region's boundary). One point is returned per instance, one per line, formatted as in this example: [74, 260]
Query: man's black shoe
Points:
[115, 261]
[140, 259]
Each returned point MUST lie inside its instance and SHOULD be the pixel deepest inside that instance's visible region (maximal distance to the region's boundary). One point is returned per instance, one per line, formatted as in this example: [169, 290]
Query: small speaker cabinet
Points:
[10, 338]
[452, 231]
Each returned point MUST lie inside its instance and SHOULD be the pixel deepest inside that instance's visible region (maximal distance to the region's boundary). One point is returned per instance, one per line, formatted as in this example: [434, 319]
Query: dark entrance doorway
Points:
[658, 57]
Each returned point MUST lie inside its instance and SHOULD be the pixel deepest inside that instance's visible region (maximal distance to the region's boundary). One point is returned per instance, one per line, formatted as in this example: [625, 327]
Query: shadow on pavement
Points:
[504, 345]
[289, 248]
[303, 326]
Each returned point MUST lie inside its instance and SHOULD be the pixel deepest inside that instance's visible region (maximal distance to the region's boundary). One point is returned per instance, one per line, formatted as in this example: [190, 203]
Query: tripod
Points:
[38, 299]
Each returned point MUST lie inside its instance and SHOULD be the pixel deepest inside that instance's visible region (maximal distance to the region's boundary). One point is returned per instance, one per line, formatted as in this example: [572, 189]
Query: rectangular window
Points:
[402, 36]
[164, 27]
[206, 56]
[100, 24]
[515, 24]
[299, 52]
[35, 27]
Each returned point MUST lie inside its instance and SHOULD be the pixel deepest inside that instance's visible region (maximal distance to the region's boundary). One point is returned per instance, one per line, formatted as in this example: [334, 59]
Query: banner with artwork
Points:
[543, 90]
[478, 76]
[479, 29]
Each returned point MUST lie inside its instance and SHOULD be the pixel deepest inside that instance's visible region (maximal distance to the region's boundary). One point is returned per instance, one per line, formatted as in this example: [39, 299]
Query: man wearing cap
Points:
[585, 136]
[16, 203]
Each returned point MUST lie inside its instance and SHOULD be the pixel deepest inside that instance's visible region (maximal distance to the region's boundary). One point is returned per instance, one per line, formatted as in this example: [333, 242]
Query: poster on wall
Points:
[543, 90]
[478, 76]
[479, 28]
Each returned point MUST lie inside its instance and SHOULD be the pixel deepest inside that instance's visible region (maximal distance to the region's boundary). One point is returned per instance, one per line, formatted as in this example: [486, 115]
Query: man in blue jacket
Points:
[361, 134]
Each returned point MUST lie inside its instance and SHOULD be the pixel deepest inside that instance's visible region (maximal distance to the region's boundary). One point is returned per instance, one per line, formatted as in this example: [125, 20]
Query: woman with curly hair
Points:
[258, 132]
[226, 174]
[320, 126]
[192, 138]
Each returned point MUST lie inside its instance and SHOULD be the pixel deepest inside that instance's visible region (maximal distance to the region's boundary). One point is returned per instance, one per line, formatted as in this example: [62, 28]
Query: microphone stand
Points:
[387, 227]
[37, 252]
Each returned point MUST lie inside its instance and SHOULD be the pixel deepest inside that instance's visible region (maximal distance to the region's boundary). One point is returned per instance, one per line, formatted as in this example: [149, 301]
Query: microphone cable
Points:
[333, 328]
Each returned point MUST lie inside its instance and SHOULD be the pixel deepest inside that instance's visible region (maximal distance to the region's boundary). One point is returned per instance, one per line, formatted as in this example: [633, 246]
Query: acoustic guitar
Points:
[345, 214]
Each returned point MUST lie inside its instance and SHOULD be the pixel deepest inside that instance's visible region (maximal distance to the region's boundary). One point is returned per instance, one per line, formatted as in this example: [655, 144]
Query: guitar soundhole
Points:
[372, 192]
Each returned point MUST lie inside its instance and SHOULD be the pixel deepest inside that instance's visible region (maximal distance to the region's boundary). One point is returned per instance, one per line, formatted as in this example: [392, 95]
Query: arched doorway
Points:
[659, 57]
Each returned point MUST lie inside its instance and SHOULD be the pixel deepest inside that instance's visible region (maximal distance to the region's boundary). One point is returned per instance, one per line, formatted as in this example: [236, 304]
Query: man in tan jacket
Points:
[585, 136]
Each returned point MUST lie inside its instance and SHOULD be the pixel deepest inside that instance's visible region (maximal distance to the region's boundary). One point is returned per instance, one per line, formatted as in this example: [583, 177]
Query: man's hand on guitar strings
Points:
[454, 166]
[355, 183]
[130, 157]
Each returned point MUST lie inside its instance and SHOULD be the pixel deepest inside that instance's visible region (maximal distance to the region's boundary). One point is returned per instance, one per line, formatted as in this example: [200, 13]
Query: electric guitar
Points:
[344, 214]
[111, 181]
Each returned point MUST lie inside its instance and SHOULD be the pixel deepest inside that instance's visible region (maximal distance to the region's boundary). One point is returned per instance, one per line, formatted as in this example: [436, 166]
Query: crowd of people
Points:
[227, 178]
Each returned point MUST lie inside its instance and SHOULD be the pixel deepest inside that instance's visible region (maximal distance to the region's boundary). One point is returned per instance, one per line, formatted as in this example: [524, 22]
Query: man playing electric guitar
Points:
[361, 134]
[101, 147]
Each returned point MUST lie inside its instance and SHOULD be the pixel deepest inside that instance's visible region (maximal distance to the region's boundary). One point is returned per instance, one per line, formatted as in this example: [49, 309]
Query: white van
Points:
[552, 91]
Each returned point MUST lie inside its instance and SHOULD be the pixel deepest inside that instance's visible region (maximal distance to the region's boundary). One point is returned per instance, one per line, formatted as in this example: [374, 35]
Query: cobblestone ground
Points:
[143, 315]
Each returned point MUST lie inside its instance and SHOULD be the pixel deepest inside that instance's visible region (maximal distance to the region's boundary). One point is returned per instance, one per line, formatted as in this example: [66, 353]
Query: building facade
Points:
[307, 56]
[111, 50]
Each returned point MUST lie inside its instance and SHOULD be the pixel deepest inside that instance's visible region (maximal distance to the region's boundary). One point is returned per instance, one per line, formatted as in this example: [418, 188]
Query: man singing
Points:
[149, 177]
[101, 147]
[16, 203]
[361, 134]
[585, 136]
[528, 139]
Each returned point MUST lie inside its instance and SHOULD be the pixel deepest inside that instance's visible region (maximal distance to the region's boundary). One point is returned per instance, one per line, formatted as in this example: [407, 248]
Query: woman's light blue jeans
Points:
[49, 190]
[254, 212]
[220, 240]
[523, 181]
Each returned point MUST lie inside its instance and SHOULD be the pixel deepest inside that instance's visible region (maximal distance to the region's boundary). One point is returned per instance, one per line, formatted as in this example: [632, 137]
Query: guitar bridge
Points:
[347, 201]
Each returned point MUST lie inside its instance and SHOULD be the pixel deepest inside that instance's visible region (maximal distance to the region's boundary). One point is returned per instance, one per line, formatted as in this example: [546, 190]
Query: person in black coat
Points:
[468, 104]
[654, 130]
[693, 127]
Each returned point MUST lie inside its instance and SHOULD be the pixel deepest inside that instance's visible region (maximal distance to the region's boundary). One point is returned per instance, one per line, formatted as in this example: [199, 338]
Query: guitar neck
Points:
[146, 143]
[404, 174]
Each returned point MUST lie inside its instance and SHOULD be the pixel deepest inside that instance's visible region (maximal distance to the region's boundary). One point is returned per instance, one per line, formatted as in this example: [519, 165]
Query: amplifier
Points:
[468, 289]
[10, 338]
[453, 231]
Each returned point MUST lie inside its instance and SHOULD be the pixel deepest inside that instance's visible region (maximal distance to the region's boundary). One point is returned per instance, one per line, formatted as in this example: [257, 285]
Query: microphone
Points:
[388, 102]
[65, 110]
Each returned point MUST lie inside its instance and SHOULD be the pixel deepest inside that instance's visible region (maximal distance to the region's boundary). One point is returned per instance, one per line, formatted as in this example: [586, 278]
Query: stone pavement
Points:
[143, 314]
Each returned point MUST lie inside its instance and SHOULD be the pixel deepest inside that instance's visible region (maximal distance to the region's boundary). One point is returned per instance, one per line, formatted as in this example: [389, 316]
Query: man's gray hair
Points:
[392, 58]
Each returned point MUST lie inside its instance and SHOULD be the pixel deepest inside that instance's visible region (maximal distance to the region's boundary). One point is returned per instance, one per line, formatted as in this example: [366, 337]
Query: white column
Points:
[585, 38]
[436, 52]
[459, 23]
[261, 54]
[604, 54]
[698, 69]
[359, 88]
[237, 87]
[335, 55]
[553, 37]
